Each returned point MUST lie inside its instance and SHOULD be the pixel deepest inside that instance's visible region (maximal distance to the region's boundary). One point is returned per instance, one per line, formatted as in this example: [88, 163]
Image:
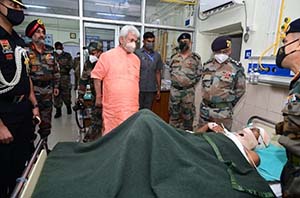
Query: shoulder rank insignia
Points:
[236, 62]
[6, 48]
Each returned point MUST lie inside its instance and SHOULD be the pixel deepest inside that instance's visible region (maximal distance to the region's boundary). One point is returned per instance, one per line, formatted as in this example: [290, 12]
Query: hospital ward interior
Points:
[223, 118]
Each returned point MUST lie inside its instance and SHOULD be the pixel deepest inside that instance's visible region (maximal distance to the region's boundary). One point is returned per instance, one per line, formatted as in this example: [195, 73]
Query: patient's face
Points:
[247, 138]
[256, 132]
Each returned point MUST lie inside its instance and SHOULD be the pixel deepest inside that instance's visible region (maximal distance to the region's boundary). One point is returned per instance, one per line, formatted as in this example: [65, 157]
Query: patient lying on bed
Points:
[250, 137]
[268, 158]
[145, 157]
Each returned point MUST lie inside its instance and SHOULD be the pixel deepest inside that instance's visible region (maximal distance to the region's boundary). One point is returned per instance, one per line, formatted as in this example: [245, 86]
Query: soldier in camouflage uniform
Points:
[186, 69]
[65, 62]
[76, 68]
[288, 56]
[44, 73]
[223, 84]
[95, 50]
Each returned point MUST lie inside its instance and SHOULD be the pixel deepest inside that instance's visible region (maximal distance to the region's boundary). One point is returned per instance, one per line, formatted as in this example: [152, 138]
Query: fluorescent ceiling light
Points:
[110, 14]
[36, 6]
[116, 5]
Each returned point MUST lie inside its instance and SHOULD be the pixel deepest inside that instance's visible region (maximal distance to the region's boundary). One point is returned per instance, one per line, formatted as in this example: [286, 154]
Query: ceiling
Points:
[107, 9]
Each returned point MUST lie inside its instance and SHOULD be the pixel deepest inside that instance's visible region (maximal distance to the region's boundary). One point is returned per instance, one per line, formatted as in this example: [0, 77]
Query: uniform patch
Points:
[34, 68]
[9, 56]
[227, 75]
[6, 48]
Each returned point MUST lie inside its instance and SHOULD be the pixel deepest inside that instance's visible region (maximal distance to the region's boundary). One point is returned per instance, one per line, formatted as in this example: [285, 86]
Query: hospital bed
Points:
[27, 182]
[269, 127]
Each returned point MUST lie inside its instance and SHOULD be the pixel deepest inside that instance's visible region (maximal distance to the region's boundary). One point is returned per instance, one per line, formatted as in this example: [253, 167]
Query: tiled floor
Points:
[63, 128]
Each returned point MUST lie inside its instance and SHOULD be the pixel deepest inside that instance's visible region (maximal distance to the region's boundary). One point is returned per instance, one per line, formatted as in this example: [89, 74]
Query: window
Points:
[122, 10]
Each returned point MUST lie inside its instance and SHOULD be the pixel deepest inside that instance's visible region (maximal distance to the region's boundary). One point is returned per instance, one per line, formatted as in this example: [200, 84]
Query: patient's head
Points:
[262, 137]
[247, 138]
[253, 137]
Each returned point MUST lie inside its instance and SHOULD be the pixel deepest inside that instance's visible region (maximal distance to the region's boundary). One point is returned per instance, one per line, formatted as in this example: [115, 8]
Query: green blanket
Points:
[146, 158]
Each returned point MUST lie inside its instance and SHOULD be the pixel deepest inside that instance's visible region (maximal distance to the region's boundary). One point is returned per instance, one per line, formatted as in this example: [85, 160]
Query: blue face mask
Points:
[149, 46]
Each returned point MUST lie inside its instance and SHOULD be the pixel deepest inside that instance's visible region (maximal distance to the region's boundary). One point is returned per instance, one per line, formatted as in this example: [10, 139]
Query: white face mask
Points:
[59, 51]
[93, 58]
[130, 47]
[221, 58]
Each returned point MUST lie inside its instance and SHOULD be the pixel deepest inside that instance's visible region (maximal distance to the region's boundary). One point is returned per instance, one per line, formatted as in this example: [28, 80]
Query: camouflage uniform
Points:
[222, 87]
[45, 76]
[185, 74]
[77, 71]
[290, 139]
[65, 62]
[96, 118]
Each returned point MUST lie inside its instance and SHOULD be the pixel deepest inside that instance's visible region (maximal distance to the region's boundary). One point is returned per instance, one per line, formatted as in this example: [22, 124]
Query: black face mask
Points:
[281, 54]
[15, 17]
[183, 46]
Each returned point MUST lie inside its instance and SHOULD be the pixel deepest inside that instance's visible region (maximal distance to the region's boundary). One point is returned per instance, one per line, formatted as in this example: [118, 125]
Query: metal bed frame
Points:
[21, 181]
[42, 144]
[250, 120]
[275, 186]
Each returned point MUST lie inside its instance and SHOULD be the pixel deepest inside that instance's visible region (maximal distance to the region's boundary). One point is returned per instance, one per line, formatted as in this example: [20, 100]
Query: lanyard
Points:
[151, 57]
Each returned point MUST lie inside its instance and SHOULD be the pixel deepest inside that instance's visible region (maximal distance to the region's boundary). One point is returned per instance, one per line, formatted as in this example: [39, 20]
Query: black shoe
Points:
[69, 110]
[58, 113]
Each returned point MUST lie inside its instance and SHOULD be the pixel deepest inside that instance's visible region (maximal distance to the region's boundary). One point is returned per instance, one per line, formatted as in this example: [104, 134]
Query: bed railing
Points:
[22, 180]
[251, 119]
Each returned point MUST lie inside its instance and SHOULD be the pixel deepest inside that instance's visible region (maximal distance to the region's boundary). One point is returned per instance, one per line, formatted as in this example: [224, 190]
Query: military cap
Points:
[222, 42]
[184, 36]
[19, 2]
[95, 46]
[294, 26]
[33, 26]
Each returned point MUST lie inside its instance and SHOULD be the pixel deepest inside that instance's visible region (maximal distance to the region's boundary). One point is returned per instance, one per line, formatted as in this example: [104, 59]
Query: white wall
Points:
[263, 100]
[59, 28]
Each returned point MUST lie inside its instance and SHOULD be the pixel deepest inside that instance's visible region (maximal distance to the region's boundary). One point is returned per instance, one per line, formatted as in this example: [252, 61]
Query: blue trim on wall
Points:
[274, 70]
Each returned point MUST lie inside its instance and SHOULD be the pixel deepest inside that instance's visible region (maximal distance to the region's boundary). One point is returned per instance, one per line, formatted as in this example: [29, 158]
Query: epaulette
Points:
[173, 55]
[237, 63]
[196, 55]
[209, 61]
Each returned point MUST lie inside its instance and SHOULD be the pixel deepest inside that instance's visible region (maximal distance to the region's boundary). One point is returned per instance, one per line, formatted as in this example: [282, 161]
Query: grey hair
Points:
[129, 28]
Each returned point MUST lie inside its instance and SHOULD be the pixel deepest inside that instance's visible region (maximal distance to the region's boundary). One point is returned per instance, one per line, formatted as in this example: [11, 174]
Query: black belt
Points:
[42, 84]
[216, 105]
[13, 99]
[182, 88]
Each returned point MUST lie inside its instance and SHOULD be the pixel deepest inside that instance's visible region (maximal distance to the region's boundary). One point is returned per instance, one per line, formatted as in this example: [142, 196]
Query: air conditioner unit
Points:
[208, 7]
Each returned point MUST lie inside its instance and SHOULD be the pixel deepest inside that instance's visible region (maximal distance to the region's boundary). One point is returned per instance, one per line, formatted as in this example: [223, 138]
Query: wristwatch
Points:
[35, 106]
